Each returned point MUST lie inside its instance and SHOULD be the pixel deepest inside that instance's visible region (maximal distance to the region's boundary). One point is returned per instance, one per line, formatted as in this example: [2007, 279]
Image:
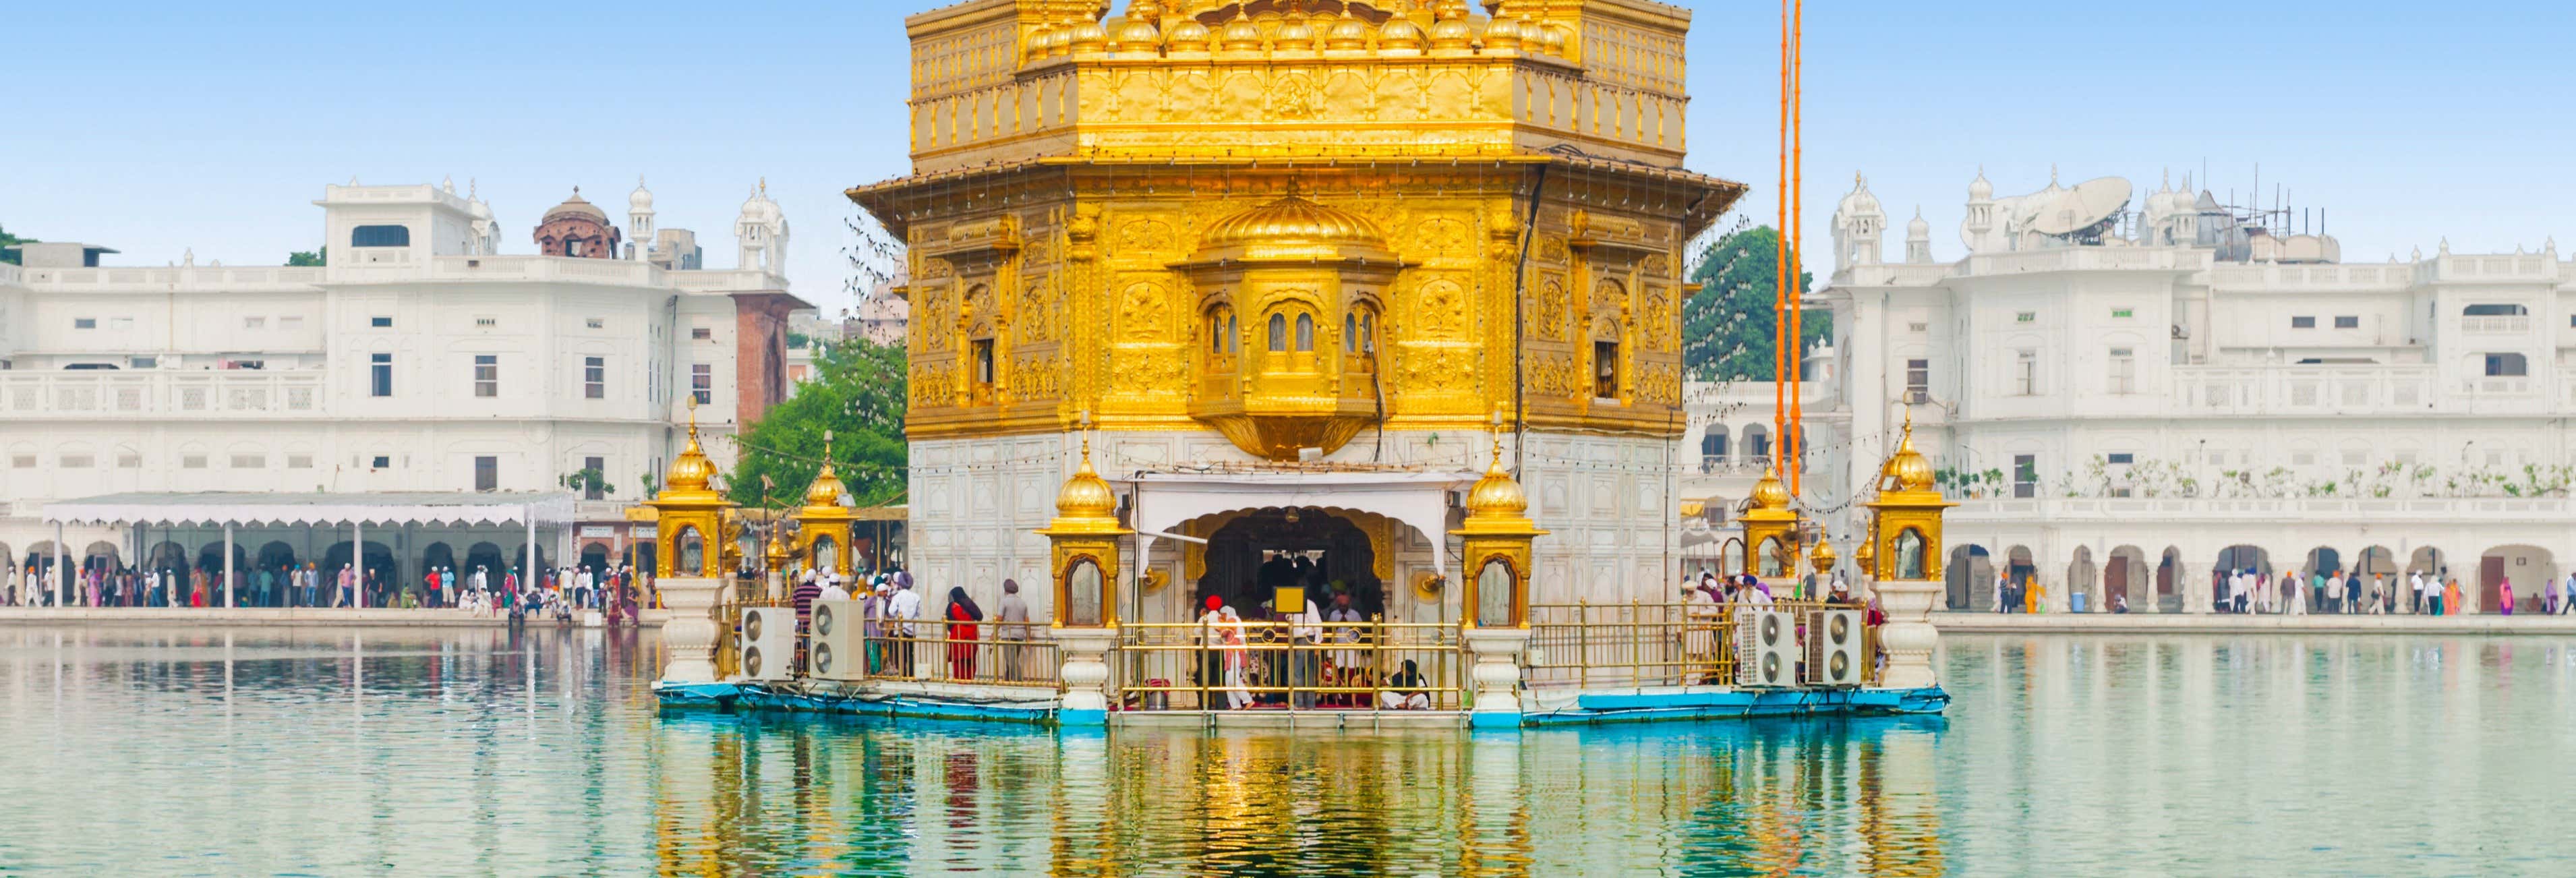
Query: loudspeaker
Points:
[1766, 649]
[832, 648]
[768, 643]
[1834, 654]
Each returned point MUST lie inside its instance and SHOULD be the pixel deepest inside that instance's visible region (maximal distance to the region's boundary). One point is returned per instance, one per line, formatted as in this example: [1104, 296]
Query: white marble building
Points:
[2122, 391]
[420, 359]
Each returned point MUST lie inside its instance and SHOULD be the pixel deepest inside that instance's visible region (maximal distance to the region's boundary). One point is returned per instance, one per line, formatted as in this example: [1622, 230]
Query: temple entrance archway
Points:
[1255, 553]
[1971, 577]
[2524, 566]
[2085, 578]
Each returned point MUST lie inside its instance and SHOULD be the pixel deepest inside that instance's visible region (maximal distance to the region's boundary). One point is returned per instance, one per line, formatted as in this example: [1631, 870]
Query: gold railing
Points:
[940, 651]
[1589, 646]
[1347, 666]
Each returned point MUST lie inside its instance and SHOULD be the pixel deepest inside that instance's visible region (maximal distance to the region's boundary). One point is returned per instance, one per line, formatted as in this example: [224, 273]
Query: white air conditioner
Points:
[767, 648]
[1766, 649]
[832, 648]
[1834, 654]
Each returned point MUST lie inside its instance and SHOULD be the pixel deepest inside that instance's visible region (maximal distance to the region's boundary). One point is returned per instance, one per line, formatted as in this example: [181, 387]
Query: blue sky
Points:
[158, 126]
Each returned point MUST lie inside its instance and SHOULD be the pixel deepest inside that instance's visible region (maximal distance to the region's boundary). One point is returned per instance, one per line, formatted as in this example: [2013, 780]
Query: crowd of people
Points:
[895, 631]
[99, 582]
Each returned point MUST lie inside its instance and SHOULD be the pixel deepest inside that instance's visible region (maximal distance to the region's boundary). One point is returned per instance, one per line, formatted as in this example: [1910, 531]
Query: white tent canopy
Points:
[1163, 500]
[243, 508]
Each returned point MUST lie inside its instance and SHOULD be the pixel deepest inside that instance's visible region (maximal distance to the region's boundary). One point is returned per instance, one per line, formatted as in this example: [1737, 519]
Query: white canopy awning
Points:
[1163, 500]
[245, 508]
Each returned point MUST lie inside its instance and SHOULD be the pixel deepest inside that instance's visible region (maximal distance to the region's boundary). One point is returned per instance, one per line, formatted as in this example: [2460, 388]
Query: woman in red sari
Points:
[962, 633]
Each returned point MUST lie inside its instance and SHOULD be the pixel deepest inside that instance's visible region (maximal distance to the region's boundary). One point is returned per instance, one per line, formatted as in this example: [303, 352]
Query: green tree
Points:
[857, 392]
[307, 258]
[7, 239]
[1727, 326]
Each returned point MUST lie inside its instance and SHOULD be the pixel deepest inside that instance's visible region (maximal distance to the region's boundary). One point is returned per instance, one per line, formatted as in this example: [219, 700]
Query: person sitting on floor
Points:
[1404, 690]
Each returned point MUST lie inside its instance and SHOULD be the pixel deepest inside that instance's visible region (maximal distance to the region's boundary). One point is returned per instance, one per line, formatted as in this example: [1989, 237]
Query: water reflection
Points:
[538, 752]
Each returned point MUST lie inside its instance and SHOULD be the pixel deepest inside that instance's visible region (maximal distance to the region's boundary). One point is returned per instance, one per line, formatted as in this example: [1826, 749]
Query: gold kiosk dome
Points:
[1084, 538]
[1497, 534]
[1905, 524]
[688, 510]
[1770, 529]
[827, 524]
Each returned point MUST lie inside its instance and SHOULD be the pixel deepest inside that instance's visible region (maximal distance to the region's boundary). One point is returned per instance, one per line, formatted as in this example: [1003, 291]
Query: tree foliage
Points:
[857, 393]
[7, 239]
[1727, 326]
[306, 258]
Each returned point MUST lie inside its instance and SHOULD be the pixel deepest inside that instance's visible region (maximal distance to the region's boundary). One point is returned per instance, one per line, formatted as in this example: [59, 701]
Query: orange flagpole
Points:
[1794, 289]
[1780, 262]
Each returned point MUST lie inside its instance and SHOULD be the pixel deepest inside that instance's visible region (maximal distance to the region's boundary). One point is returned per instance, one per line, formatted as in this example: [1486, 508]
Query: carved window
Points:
[983, 365]
[1082, 594]
[1605, 370]
[1305, 333]
[1278, 333]
[1497, 594]
[1909, 555]
[692, 552]
[1216, 330]
[1771, 557]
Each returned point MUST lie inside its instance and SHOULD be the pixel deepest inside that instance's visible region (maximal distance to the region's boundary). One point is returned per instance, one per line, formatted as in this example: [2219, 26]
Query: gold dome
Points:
[1088, 36]
[1293, 220]
[1911, 470]
[1138, 35]
[1240, 35]
[826, 490]
[1451, 34]
[1863, 555]
[1769, 493]
[1400, 34]
[1086, 495]
[1187, 36]
[1039, 38]
[1503, 34]
[1295, 36]
[1823, 556]
[1348, 34]
[1496, 494]
[691, 471]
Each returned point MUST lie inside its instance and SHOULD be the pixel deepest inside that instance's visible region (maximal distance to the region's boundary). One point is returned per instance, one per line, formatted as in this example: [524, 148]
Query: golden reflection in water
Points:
[810, 795]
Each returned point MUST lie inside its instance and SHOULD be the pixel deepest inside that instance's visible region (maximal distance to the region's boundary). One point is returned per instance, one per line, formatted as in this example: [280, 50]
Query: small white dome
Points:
[1860, 200]
[1979, 189]
[1916, 228]
[641, 199]
[758, 208]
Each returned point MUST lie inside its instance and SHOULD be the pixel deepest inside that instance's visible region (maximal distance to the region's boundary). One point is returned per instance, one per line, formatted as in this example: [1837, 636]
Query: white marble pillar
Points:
[1085, 672]
[358, 564]
[228, 566]
[1496, 674]
[1908, 635]
[689, 636]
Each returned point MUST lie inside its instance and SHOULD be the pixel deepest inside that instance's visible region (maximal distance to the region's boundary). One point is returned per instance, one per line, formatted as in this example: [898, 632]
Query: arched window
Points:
[1216, 331]
[1909, 555]
[1368, 332]
[691, 558]
[1233, 337]
[1770, 558]
[1278, 333]
[2507, 365]
[1305, 333]
[1495, 594]
[380, 236]
[1351, 333]
[572, 247]
[1082, 594]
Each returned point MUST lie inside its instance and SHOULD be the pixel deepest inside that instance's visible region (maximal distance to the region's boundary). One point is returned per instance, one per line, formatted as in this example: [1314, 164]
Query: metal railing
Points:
[1246, 665]
[1594, 646]
[941, 651]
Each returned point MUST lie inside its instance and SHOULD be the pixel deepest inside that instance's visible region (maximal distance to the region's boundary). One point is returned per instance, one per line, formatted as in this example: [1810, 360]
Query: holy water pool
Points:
[148, 751]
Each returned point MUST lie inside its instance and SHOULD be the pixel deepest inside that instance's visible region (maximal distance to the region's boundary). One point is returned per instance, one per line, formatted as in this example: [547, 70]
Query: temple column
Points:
[1909, 635]
[228, 566]
[689, 636]
[2194, 585]
[1496, 675]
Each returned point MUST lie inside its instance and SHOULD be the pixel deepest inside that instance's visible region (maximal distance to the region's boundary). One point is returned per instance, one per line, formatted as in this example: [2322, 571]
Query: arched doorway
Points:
[440, 557]
[1971, 576]
[2083, 577]
[594, 557]
[380, 563]
[488, 558]
[2169, 580]
[101, 555]
[640, 556]
[2125, 576]
[2524, 566]
[1251, 556]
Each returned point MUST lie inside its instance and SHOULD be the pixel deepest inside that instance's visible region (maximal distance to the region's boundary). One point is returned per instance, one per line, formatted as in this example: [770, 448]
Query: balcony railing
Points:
[138, 394]
[1594, 646]
[1244, 665]
[2496, 324]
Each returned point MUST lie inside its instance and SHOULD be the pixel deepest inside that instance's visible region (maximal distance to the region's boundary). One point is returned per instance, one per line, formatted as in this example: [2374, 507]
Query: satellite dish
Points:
[2080, 208]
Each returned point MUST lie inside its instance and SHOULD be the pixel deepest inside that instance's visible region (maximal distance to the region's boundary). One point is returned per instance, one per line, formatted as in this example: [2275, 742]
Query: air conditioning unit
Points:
[832, 650]
[767, 647]
[1834, 654]
[1766, 649]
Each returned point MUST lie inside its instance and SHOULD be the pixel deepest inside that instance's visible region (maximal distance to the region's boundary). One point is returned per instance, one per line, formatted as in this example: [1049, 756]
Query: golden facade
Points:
[1287, 221]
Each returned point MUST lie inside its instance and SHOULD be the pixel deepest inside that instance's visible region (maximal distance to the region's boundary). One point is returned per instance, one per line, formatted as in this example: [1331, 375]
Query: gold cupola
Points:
[1084, 539]
[1905, 521]
[1290, 301]
[825, 538]
[688, 514]
[1770, 529]
[1497, 534]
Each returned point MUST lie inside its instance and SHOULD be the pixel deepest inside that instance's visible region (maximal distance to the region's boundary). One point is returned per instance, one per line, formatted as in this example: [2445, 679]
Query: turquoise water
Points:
[167, 751]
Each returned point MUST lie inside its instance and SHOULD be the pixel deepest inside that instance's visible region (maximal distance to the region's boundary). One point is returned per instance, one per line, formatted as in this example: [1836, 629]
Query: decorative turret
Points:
[1918, 239]
[690, 514]
[1085, 536]
[825, 538]
[1770, 529]
[1858, 226]
[1906, 524]
[1821, 559]
[1497, 534]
